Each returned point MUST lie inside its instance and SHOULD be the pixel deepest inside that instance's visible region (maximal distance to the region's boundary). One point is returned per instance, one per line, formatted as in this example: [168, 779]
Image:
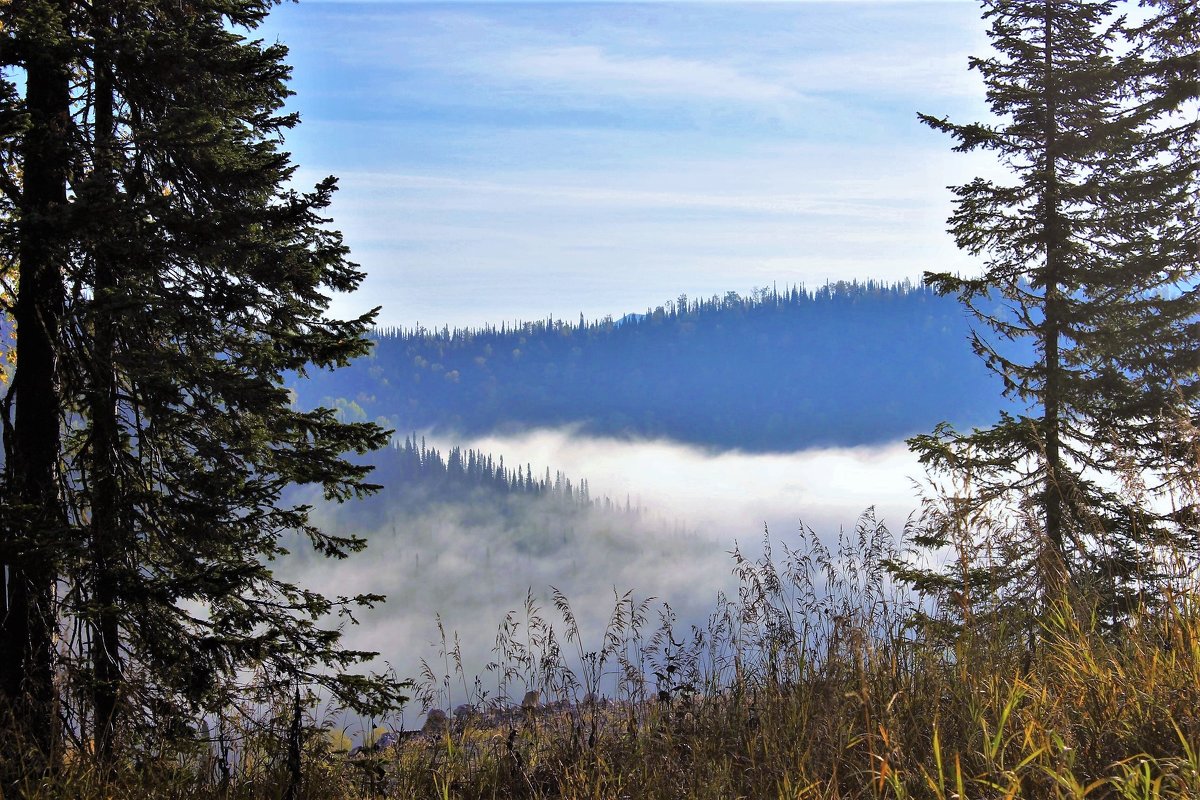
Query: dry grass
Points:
[815, 682]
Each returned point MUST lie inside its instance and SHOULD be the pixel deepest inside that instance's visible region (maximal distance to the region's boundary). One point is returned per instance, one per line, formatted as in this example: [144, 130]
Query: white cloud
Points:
[595, 71]
[424, 192]
[895, 69]
[502, 162]
[614, 239]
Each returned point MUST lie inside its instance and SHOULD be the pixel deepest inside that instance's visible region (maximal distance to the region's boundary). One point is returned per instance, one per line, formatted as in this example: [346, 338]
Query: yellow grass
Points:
[803, 688]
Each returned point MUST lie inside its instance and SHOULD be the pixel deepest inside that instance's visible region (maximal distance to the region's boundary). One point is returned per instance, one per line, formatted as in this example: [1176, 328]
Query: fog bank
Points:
[729, 495]
[470, 565]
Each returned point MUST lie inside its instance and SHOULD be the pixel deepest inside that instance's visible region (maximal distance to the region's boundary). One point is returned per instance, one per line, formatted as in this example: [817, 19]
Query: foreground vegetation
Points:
[820, 680]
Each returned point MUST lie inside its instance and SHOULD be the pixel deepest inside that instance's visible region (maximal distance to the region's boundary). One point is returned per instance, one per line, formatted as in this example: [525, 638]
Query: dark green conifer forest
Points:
[165, 279]
[777, 370]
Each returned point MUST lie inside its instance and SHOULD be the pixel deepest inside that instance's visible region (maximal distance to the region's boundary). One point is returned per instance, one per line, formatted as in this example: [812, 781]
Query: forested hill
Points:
[419, 477]
[845, 364]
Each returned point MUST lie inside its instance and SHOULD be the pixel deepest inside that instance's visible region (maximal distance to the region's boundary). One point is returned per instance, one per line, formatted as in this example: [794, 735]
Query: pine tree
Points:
[33, 519]
[197, 281]
[1083, 258]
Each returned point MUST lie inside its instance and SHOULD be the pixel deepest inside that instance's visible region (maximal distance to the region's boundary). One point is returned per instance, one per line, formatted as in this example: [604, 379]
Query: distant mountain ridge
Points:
[850, 363]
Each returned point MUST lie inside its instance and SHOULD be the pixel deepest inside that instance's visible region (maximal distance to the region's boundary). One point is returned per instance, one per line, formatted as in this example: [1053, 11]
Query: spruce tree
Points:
[1085, 258]
[192, 281]
[33, 537]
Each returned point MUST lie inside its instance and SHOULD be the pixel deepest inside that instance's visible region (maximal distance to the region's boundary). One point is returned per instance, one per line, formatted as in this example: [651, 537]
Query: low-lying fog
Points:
[471, 569]
[728, 495]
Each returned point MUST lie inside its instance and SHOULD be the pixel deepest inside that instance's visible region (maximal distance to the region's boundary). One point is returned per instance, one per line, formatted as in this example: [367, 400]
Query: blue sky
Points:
[515, 160]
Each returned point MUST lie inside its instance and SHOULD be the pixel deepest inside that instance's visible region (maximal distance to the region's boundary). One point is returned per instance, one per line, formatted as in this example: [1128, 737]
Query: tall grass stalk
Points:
[820, 679]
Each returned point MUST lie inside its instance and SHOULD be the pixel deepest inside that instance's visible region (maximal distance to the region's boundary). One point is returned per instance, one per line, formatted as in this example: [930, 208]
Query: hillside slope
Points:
[847, 364]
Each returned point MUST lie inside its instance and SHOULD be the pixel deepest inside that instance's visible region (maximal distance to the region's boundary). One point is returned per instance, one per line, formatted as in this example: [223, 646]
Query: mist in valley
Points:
[675, 514]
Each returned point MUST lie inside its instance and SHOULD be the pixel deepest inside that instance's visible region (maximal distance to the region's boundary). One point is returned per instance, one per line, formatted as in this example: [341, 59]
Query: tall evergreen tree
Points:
[33, 519]
[1085, 255]
[197, 280]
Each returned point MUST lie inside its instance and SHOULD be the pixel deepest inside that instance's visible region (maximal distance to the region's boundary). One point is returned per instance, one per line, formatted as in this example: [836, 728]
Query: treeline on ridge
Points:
[848, 363]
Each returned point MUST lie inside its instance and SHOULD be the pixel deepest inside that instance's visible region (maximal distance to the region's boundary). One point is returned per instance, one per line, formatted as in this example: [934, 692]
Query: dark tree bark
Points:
[105, 440]
[34, 529]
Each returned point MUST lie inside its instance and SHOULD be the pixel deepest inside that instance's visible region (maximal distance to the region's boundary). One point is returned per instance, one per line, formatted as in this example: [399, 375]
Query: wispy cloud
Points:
[602, 157]
[897, 68]
[613, 238]
[595, 71]
[421, 190]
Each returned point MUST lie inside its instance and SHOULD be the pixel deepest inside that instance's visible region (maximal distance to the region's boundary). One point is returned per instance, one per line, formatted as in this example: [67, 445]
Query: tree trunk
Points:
[104, 489]
[34, 531]
[1053, 559]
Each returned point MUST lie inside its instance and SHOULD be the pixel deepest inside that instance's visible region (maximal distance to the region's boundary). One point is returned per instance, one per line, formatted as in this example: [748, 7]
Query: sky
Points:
[502, 161]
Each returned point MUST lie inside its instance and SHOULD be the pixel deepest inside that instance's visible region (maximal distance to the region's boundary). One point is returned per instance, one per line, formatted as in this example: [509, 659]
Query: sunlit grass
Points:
[816, 681]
